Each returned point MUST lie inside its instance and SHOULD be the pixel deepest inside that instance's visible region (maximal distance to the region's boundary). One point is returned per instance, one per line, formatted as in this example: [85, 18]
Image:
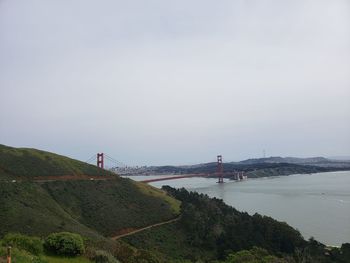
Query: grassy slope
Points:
[91, 208]
[28, 208]
[157, 193]
[29, 163]
[86, 207]
[109, 206]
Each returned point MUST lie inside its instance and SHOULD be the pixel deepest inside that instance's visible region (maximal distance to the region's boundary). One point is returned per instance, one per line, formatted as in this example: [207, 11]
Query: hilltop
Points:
[27, 163]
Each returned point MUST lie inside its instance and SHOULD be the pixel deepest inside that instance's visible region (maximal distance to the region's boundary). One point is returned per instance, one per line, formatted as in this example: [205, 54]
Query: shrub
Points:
[254, 255]
[144, 256]
[64, 243]
[33, 245]
[102, 256]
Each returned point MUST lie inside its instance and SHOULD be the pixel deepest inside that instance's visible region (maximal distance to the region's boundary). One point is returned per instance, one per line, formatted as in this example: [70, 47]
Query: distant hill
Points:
[313, 161]
[260, 167]
[255, 169]
[277, 159]
[340, 158]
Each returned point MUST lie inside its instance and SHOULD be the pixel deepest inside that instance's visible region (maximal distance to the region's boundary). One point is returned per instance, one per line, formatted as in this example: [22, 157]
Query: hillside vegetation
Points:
[28, 208]
[110, 206]
[89, 207]
[266, 170]
[210, 230]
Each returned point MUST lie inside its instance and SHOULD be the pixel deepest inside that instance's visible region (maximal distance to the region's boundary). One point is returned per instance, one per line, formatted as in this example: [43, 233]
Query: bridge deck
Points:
[233, 175]
[174, 177]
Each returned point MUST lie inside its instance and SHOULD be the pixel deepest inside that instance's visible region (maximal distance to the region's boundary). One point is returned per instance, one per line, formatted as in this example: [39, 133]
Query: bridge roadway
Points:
[175, 177]
[232, 175]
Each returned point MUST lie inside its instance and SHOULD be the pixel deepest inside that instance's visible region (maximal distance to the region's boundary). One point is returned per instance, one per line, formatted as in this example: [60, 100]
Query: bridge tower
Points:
[220, 169]
[100, 160]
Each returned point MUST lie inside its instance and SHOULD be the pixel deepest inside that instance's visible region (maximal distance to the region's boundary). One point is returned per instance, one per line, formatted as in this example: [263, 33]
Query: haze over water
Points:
[317, 205]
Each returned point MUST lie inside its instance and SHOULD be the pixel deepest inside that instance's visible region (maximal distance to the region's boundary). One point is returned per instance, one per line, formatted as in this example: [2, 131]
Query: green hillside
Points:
[28, 208]
[91, 208]
[86, 207]
[26, 163]
[109, 206]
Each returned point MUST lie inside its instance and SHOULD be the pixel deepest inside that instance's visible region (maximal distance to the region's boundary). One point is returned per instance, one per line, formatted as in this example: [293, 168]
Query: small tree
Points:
[65, 243]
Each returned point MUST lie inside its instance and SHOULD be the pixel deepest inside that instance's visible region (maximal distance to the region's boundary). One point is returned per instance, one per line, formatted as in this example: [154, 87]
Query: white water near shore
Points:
[317, 205]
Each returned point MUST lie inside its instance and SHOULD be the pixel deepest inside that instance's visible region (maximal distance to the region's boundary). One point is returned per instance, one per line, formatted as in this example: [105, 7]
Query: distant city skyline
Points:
[176, 82]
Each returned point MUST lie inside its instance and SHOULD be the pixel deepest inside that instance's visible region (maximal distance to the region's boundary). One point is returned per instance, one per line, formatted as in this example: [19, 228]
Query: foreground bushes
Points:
[21, 256]
[65, 243]
[33, 245]
[254, 255]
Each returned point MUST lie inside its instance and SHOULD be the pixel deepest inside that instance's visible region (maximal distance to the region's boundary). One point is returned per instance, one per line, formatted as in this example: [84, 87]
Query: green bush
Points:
[145, 256]
[254, 255]
[64, 243]
[102, 256]
[33, 245]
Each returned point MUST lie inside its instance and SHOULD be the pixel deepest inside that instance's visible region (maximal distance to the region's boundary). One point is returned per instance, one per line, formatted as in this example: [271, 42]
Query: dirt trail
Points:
[144, 228]
[72, 178]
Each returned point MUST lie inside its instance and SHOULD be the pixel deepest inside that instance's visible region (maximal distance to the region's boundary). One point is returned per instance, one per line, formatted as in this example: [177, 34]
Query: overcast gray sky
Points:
[176, 82]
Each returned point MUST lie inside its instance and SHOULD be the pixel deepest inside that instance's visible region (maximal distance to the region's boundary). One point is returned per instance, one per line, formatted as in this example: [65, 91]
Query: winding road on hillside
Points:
[130, 232]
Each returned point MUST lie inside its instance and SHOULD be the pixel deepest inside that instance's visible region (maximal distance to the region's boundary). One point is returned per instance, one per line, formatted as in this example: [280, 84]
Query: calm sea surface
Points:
[317, 205]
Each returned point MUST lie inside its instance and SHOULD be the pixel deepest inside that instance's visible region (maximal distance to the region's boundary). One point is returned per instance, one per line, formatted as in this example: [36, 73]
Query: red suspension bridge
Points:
[102, 157]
